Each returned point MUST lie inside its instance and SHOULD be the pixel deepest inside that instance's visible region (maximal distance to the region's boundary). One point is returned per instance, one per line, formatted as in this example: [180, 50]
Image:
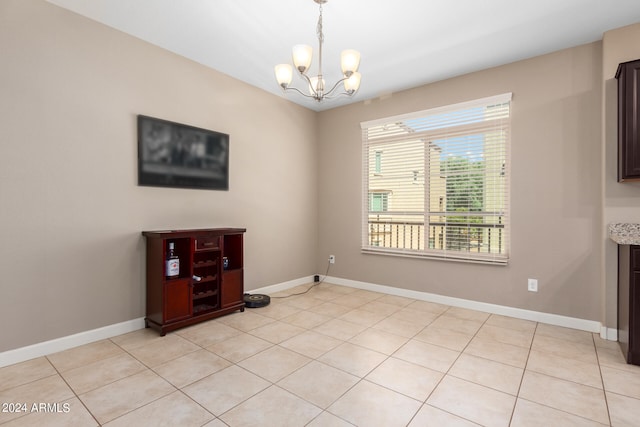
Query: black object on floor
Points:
[256, 300]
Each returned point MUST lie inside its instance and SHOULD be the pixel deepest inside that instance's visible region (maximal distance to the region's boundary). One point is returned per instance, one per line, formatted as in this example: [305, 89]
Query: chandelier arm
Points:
[300, 92]
[313, 89]
[329, 92]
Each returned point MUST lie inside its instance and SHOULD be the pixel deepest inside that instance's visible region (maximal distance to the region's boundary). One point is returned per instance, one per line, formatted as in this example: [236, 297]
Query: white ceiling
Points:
[404, 43]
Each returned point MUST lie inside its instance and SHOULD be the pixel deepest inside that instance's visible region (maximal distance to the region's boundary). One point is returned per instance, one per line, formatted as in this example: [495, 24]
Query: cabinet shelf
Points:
[174, 303]
[200, 295]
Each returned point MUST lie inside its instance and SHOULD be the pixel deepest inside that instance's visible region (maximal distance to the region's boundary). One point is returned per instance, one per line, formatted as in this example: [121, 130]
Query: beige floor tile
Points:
[621, 382]
[170, 347]
[278, 311]
[568, 334]
[380, 307]
[418, 317]
[431, 307]
[497, 351]
[363, 317]
[466, 314]
[506, 335]
[68, 413]
[84, 355]
[444, 337]
[325, 294]
[473, 402]
[495, 375]
[427, 355]
[327, 419]
[318, 383]
[565, 368]
[303, 302]
[118, 398]
[398, 326]
[225, 389]
[353, 359]
[613, 358]
[429, 416]
[378, 340]
[25, 372]
[208, 333]
[102, 372]
[564, 348]
[407, 378]
[277, 331]
[330, 309]
[274, 363]
[340, 329]
[50, 389]
[137, 338]
[311, 344]
[215, 423]
[511, 323]
[577, 399]
[465, 326]
[239, 347]
[625, 411]
[369, 404]
[272, 407]
[531, 414]
[307, 319]
[245, 321]
[396, 300]
[173, 410]
[191, 367]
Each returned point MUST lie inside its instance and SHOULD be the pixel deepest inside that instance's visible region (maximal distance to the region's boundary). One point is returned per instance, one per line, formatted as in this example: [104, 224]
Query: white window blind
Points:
[445, 174]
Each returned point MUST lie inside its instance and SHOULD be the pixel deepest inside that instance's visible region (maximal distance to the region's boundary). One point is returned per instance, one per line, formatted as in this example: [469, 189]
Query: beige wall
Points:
[555, 197]
[621, 200]
[71, 212]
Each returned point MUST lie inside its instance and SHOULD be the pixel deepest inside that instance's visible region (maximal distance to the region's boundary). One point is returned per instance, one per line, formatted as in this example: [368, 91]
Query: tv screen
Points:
[175, 155]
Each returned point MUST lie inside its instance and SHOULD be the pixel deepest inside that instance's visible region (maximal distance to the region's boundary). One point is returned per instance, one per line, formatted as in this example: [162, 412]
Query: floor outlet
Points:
[532, 285]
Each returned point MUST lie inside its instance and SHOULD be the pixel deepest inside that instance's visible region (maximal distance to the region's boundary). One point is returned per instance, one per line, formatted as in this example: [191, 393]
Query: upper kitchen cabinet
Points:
[628, 76]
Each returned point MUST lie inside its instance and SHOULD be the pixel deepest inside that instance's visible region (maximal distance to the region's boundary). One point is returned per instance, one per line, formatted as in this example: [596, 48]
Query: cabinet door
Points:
[177, 299]
[232, 288]
[628, 121]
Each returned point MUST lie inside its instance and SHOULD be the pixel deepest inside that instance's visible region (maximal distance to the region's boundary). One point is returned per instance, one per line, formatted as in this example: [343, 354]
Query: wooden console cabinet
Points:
[629, 302]
[210, 282]
[628, 76]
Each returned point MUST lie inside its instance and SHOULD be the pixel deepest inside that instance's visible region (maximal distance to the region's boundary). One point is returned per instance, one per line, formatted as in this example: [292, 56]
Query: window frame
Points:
[469, 129]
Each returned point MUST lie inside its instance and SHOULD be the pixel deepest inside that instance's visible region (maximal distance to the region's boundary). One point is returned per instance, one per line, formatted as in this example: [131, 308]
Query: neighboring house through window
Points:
[448, 171]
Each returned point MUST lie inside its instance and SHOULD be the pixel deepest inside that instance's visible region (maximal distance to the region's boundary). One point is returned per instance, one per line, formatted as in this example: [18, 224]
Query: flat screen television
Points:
[176, 155]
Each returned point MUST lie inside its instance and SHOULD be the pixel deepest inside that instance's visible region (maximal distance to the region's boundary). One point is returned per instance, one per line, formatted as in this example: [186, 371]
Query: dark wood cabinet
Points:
[210, 282]
[628, 76]
[629, 302]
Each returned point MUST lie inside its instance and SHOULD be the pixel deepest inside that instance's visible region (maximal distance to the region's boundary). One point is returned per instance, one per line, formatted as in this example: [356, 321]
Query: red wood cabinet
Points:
[210, 282]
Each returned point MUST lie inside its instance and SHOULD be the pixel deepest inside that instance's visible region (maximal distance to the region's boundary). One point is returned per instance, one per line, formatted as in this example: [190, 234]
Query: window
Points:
[448, 171]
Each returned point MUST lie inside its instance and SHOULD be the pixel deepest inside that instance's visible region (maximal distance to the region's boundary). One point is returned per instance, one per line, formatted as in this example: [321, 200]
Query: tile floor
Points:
[335, 356]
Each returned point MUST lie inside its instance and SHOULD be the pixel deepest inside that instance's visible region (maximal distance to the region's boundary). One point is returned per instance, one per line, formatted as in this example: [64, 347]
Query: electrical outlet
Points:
[332, 259]
[532, 285]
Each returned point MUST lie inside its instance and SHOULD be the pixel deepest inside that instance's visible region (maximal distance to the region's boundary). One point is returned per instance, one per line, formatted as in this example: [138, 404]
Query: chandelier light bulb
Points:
[352, 83]
[302, 55]
[350, 61]
[284, 75]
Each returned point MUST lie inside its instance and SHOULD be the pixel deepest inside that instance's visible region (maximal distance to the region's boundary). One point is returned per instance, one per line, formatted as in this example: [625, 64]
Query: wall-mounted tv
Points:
[175, 155]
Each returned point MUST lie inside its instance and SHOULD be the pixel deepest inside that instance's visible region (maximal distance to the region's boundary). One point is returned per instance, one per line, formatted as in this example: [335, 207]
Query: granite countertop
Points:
[625, 234]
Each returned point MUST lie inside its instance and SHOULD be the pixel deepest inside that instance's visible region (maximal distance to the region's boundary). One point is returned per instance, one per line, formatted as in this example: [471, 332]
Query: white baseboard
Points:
[609, 334]
[282, 286]
[64, 343]
[519, 313]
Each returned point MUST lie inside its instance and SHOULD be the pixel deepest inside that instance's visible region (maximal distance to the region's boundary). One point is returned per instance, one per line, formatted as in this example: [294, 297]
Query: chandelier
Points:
[302, 54]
